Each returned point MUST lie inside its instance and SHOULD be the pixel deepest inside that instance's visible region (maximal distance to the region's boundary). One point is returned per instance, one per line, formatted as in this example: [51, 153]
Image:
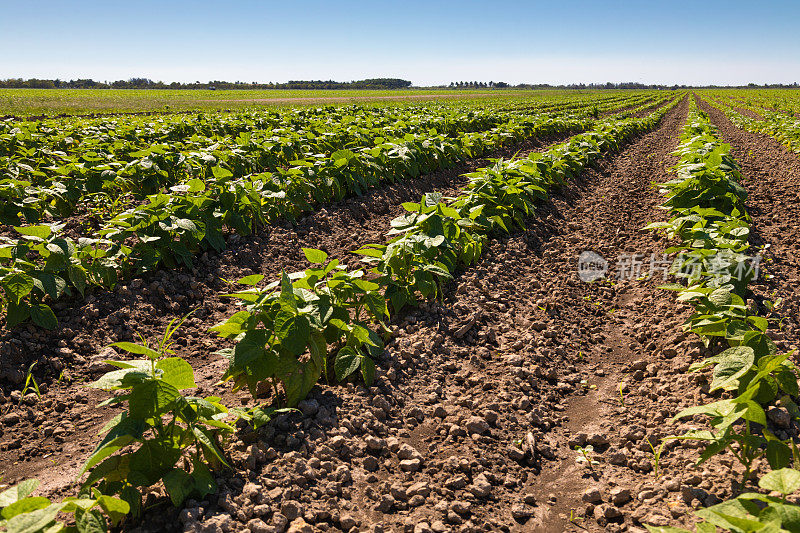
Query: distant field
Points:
[27, 102]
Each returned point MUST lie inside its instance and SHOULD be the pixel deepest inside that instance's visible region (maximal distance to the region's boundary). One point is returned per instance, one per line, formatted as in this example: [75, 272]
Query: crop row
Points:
[779, 101]
[325, 323]
[710, 221]
[169, 228]
[784, 128]
[45, 175]
[128, 172]
[76, 136]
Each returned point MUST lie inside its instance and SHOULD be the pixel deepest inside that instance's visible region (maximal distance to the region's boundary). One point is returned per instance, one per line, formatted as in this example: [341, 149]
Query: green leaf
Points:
[376, 304]
[250, 348]
[264, 415]
[18, 492]
[347, 361]
[251, 280]
[196, 185]
[41, 232]
[177, 372]
[17, 313]
[778, 454]
[315, 256]
[25, 505]
[90, 522]
[34, 522]
[151, 462]
[151, 398]
[179, 485]
[368, 370]
[54, 286]
[115, 508]
[785, 481]
[221, 173]
[133, 498]
[43, 316]
[292, 330]
[204, 483]
[123, 433]
[17, 286]
[137, 349]
[209, 448]
[369, 252]
[77, 275]
[732, 364]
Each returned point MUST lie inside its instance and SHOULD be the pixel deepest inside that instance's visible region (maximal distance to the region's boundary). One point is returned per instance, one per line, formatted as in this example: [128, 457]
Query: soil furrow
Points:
[625, 320]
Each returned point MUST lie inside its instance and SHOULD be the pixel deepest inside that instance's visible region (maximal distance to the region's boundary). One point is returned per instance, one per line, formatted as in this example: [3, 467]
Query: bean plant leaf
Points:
[315, 256]
[786, 481]
[177, 372]
[136, 349]
[43, 316]
[41, 232]
[347, 361]
[18, 492]
[179, 485]
[17, 286]
[732, 364]
[25, 505]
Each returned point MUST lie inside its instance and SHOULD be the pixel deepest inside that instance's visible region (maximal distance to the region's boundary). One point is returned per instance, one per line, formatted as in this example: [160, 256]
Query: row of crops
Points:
[785, 128]
[321, 325]
[136, 195]
[710, 222]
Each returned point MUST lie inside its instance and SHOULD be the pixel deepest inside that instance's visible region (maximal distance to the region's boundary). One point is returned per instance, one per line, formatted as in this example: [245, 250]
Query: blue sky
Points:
[727, 42]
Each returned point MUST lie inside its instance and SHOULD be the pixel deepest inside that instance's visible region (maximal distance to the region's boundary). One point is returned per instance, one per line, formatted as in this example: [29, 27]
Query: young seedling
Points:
[30, 382]
[656, 456]
[621, 396]
[584, 457]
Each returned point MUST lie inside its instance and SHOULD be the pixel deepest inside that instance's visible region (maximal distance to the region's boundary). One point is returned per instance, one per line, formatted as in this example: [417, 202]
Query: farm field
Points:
[53, 102]
[541, 311]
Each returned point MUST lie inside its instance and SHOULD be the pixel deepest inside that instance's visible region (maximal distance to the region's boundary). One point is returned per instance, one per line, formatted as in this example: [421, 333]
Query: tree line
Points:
[373, 83]
[146, 83]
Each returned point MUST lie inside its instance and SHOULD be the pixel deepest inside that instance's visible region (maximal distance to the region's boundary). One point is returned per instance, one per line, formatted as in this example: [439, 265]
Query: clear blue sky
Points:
[428, 42]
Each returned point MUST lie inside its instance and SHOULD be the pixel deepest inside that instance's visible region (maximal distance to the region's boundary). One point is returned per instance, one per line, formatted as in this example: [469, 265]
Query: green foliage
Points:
[164, 435]
[22, 513]
[308, 325]
[709, 217]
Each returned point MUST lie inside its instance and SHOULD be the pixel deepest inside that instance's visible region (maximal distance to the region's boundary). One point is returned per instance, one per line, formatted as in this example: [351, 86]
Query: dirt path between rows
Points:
[641, 379]
[629, 322]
